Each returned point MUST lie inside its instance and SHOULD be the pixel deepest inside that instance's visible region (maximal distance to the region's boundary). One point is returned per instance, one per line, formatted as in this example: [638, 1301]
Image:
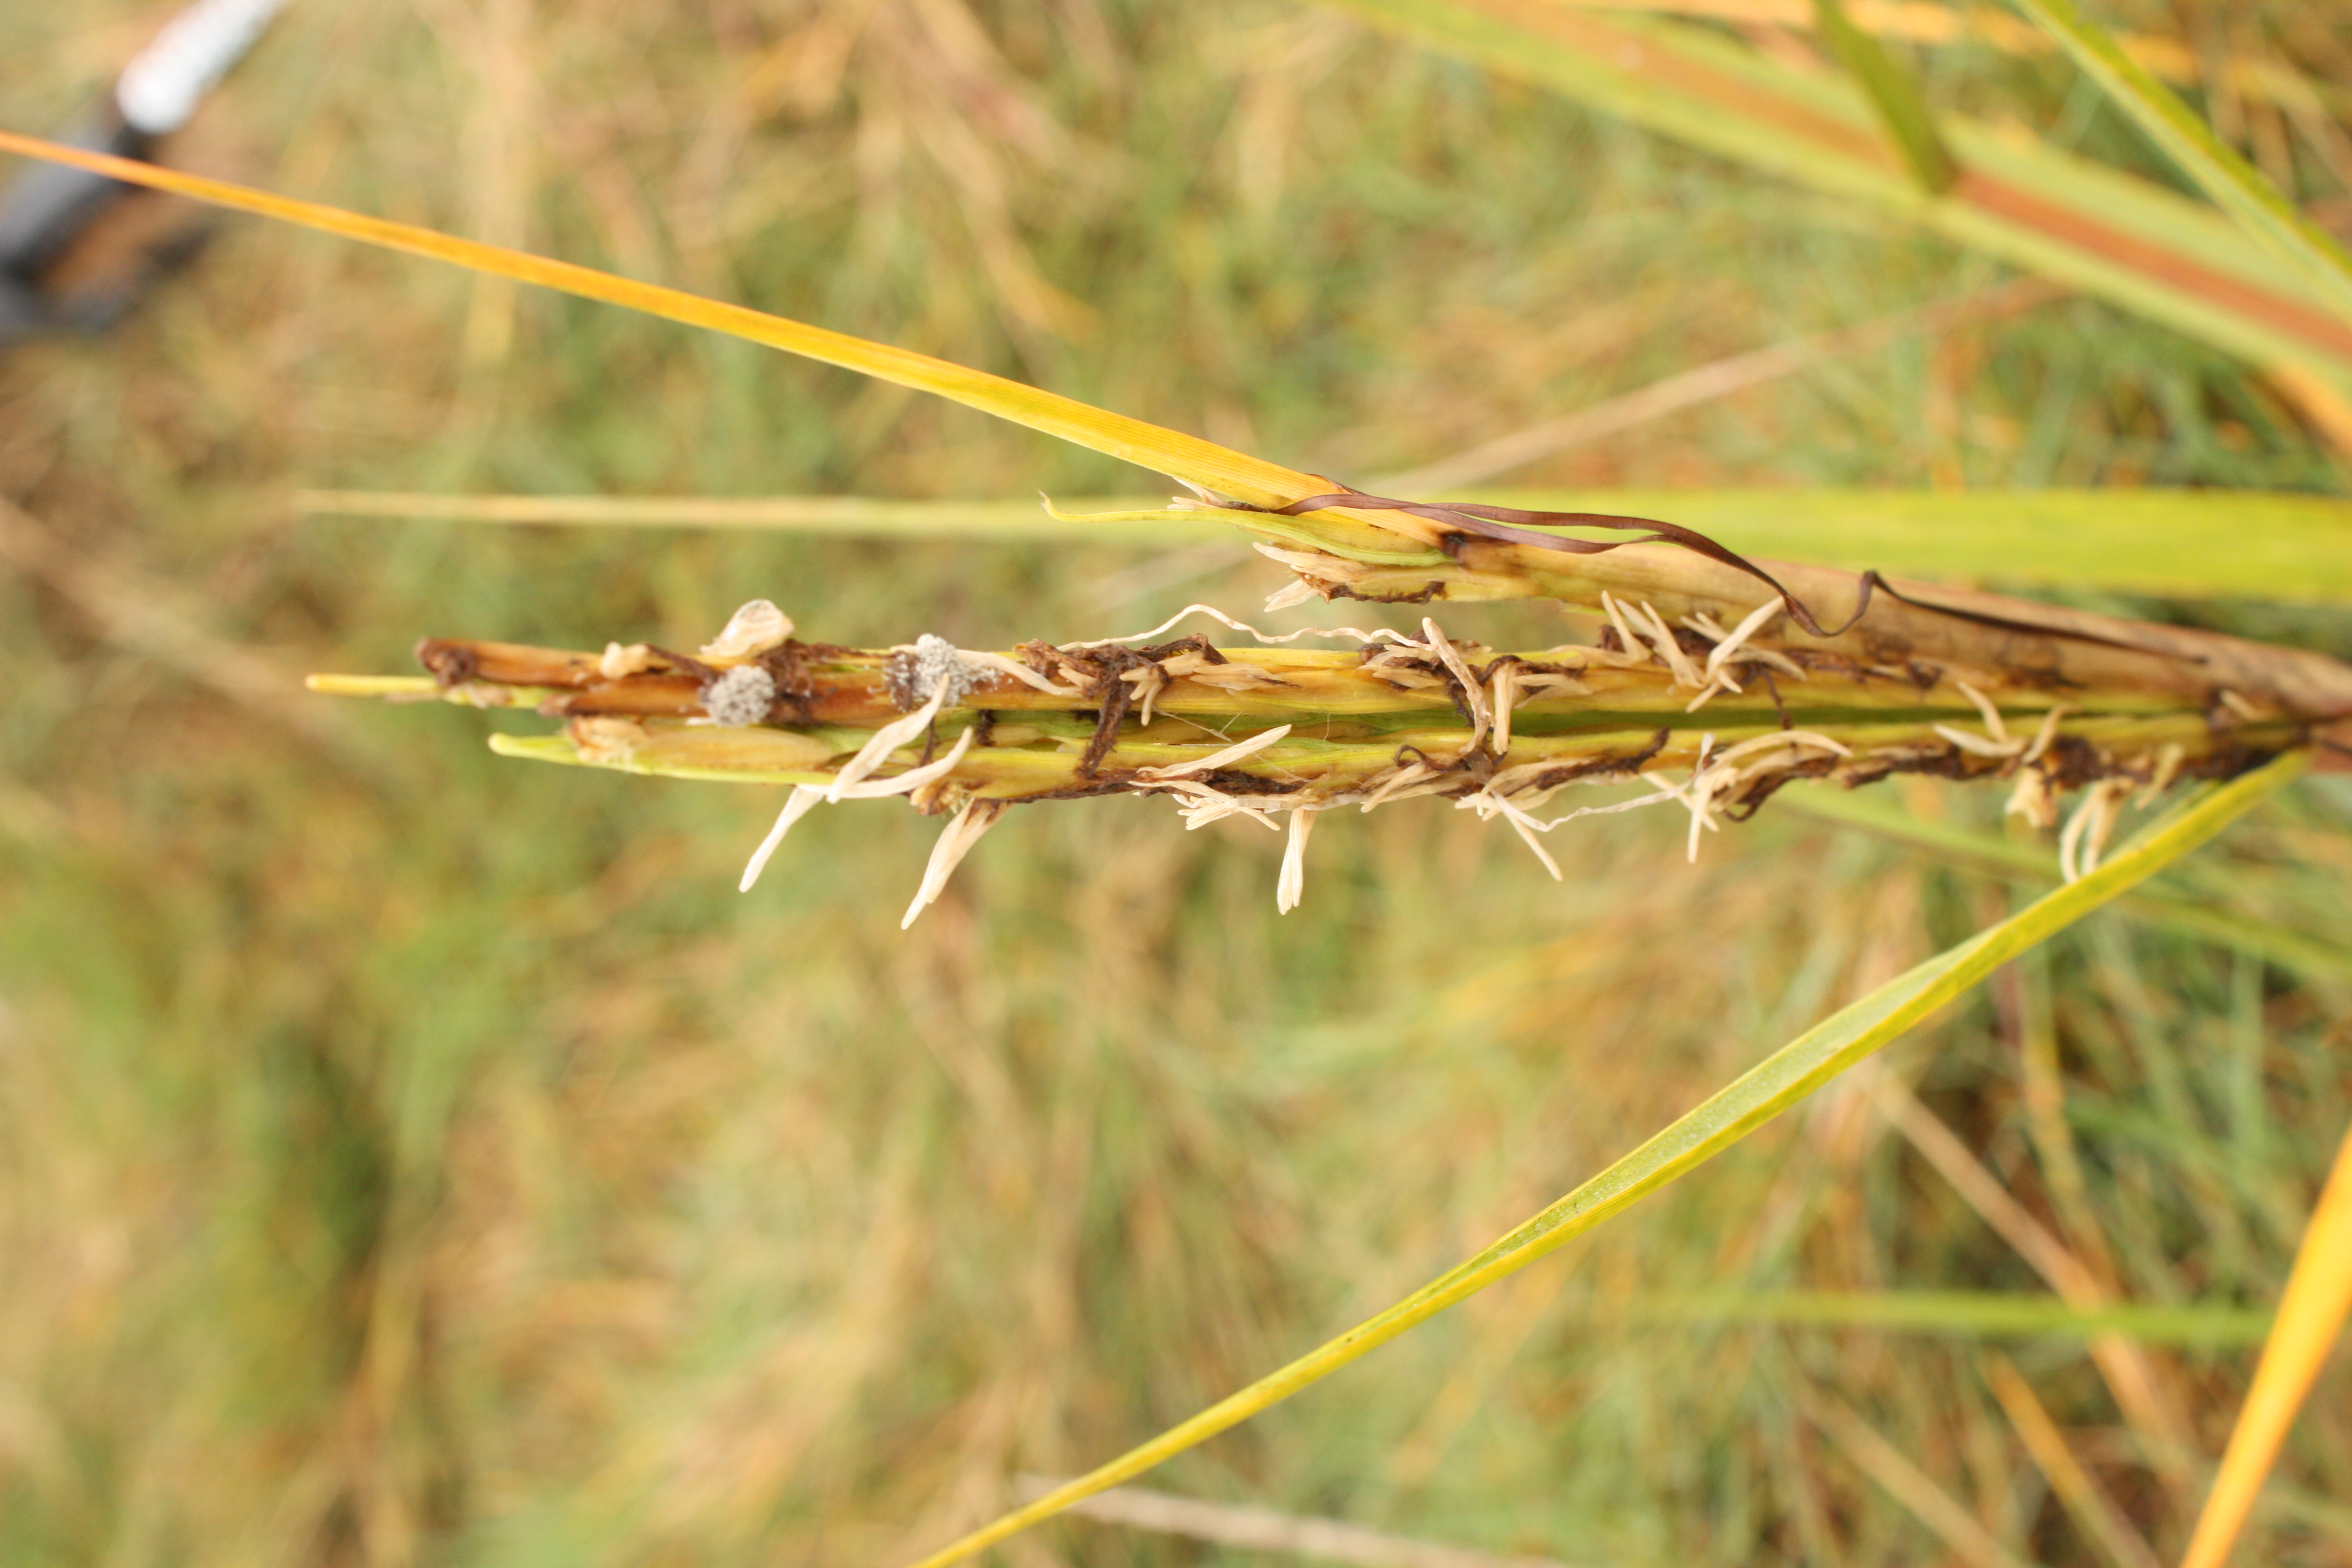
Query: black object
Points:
[50, 209]
[50, 204]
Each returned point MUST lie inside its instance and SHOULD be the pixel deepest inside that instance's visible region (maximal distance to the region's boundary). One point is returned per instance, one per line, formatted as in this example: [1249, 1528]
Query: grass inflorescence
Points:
[1267, 730]
[416, 1155]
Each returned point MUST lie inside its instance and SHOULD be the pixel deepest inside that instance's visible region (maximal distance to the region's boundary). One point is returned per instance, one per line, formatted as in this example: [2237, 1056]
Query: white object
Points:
[159, 90]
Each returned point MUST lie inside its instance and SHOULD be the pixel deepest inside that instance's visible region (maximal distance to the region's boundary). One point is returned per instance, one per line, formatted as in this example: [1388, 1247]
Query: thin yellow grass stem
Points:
[332, 685]
[2310, 1316]
[1263, 1530]
[1778, 1082]
[2094, 1513]
[1909, 1485]
[2138, 1393]
[857, 516]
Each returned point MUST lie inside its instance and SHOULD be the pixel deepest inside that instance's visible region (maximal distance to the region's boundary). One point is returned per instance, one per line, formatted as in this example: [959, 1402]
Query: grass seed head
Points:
[1258, 733]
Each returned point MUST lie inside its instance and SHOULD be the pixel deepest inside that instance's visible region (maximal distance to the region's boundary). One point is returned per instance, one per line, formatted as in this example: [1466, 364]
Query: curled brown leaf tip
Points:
[1516, 525]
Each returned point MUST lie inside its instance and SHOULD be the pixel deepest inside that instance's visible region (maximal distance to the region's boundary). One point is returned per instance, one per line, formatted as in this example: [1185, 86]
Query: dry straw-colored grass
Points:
[414, 1155]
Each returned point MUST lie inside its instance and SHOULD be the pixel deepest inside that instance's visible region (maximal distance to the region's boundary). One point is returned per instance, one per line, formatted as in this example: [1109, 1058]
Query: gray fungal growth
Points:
[932, 666]
[739, 697]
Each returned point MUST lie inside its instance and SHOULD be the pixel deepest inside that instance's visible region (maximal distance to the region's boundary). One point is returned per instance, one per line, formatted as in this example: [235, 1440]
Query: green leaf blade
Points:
[1902, 107]
[2234, 183]
[1780, 1081]
[2128, 240]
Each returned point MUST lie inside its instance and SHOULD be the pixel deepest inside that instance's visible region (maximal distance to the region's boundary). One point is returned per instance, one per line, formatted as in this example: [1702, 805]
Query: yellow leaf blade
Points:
[2310, 1316]
[1204, 463]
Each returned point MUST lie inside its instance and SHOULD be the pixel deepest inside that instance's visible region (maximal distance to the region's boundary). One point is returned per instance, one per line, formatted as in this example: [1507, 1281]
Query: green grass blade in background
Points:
[1894, 92]
[1962, 1314]
[2125, 240]
[859, 517]
[2193, 544]
[2201, 544]
[2196, 917]
[2218, 170]
[1782, 1079]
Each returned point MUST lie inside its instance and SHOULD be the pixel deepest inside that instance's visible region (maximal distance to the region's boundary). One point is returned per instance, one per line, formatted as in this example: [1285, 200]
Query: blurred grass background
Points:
[408, 1156]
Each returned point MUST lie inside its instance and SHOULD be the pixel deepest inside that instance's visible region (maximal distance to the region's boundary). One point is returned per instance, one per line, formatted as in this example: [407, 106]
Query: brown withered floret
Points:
[449, 663]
